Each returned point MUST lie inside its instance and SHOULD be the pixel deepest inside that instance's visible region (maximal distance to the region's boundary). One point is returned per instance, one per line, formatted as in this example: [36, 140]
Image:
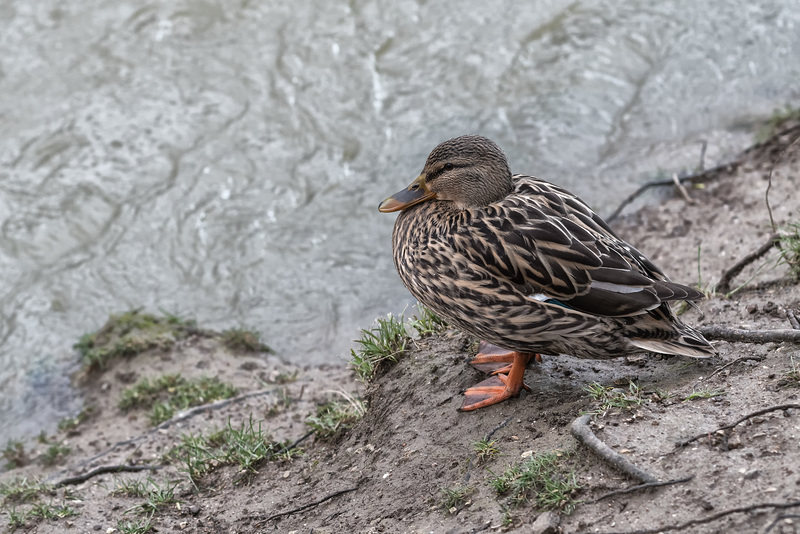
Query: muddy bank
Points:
[388, 472]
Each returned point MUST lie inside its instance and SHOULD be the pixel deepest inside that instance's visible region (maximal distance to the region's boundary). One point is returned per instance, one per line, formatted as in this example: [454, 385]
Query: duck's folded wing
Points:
[541, 251]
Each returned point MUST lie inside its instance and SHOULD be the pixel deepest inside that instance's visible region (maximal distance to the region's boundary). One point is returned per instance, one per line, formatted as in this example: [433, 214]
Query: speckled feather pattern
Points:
[479, 267]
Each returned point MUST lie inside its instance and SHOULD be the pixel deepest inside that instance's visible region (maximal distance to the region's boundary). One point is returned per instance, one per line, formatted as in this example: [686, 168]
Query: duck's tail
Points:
[665, 333]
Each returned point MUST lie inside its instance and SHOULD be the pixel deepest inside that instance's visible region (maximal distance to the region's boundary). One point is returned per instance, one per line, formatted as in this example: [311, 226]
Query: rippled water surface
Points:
[224, 160]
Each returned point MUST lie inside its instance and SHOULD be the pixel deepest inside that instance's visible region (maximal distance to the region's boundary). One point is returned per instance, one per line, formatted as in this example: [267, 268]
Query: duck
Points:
[528, 268]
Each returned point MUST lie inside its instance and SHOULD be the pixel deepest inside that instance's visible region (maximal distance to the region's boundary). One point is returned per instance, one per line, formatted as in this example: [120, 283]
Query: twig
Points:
[683, 443]
[792, 320]
[641, 487]
[581, 431]
[681, 189]
[749, 336]
[699, 177]
[307, 506]
[498, 427]
[103, 469]
[724, 285]
[709, 519]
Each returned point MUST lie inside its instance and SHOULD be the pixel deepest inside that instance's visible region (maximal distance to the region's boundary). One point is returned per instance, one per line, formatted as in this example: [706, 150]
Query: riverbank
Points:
[412, 462]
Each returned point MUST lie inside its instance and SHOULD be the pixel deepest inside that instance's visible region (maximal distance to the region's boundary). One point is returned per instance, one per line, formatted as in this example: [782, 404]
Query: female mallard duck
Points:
[529, 267]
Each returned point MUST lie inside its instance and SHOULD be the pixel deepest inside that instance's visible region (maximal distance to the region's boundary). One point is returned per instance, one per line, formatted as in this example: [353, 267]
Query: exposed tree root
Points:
[711, 518]
[749, 336]
[306, 506]
[700, 177]
[102, 470]
[581, 431]
[724, 285]
[685, 442]
[641, 487]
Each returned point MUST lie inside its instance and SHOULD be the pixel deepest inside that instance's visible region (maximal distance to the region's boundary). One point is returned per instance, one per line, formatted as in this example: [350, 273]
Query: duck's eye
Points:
[448, 166]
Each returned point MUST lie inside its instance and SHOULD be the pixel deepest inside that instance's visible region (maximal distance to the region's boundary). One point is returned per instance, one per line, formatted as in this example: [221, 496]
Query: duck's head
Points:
[470, 171]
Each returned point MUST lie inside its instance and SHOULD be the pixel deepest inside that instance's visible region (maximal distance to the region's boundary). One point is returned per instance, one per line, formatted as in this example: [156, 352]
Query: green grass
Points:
[130, 488]
[166, 394]
[245, 446]
[454, 498]
[704, 394]
[336, 416]
[485, 450]
[69, 424]
[611, 398]
[55, 453]
[138, 526]
[790, 248]
[791, 378]
[244, 340]
[426, 322]
[156, 497]
[128, 334]
[775, 122]
[384, 342]
[21, 490]
[51, 512]
[541, 480]
[14, 454]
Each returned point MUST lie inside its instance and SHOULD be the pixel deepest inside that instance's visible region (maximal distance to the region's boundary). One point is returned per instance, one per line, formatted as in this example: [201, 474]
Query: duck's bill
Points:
[413, 194]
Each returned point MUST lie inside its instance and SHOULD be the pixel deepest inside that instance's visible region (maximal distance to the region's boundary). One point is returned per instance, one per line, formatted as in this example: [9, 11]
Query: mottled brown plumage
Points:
[528, 266]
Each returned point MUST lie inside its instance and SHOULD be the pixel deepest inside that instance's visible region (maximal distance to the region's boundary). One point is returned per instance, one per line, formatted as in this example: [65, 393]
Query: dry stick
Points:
[681, 189]
[581, 431]
[709, 519]
[724, 285]
[683, 443]
[307, 506]
[769, 182]
[641, 487]
[103, 469]
[749, 336]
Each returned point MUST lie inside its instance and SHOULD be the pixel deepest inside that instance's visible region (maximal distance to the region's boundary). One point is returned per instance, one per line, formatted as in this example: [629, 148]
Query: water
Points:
[224, 161]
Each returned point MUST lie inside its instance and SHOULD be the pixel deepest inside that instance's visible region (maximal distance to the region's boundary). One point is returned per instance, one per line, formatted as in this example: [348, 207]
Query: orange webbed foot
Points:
[501, 386]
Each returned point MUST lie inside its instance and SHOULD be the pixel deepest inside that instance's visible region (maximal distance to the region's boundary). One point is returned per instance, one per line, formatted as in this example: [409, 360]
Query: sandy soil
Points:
[386, 474]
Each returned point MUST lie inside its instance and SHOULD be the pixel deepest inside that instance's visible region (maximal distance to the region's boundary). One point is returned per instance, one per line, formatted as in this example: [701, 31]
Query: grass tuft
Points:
[454, 498]
[14, 454]
[336, 416]
[128, 334]
[776, 121]
[21, 490]
[427, 322]
[246, 446]
[704, 394]
[608, 398]
[790, 248]
[540, 480]
[165, 395]
[485, 450]
[55, 453]
[244, 340]
[383, 342]
[139, 526]
[156, 497]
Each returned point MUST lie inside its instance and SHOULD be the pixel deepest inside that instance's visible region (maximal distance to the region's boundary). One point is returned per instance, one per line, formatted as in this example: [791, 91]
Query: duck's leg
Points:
[501, 386]
[489, 356]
